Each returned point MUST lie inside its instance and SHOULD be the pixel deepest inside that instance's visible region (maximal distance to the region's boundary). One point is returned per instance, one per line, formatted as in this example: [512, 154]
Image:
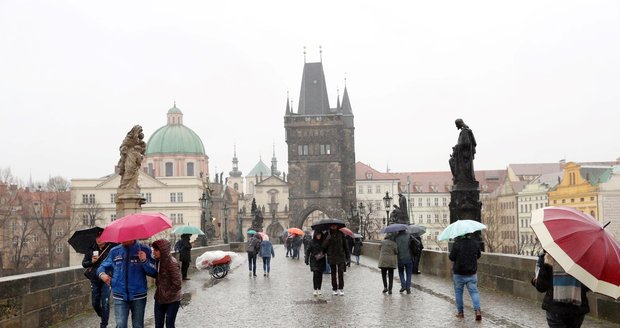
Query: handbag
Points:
[319, 256]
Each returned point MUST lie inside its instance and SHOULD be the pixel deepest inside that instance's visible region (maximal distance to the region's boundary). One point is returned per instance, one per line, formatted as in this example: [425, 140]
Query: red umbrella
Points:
[296, 231]
[347, 231]
[135, 226]
[581, 245]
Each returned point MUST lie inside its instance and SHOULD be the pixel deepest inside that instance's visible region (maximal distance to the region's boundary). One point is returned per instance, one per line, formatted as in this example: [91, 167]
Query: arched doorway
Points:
[313, 217]
[275, 231]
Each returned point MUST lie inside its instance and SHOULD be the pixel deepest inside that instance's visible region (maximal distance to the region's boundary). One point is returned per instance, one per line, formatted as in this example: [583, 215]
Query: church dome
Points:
[174, 137]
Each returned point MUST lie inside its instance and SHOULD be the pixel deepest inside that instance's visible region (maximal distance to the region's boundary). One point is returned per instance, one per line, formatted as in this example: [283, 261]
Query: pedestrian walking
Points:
[125, 269]
[252, 248]
[388, 260]
[168, 282]
[357, 249]
[185, 254]
[565, 302]
[266, 252]
[336, 248]
[315, 258]
[296, 246]
[417, 247]
[465, 254]
[288, 243]
[99, 291]
[405, 261]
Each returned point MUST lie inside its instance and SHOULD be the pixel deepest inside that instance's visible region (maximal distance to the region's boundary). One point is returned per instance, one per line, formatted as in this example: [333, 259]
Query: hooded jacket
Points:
[168, 275]
[128, 272]
[336, 247]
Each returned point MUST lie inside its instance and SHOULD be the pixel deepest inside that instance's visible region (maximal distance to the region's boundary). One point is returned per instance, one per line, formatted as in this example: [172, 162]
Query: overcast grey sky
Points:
[537, 81]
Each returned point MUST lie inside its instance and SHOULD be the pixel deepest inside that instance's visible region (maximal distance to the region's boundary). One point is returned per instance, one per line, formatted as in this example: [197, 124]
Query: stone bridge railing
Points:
[505, 273]
[43, 298]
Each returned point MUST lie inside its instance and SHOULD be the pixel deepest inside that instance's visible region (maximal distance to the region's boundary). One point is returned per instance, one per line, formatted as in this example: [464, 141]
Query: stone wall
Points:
[44, 298]
[504, 273]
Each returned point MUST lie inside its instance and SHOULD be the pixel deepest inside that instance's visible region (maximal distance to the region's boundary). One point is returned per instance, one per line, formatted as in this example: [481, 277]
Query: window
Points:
[419, 202]
[306, 152]
[180, 218]
[591, 198]
[421, 218]
[325, 149]
[85, 220]
[360, 190]
[59, 232]
[445, 218]
[369, 189]
[563, 201]
[14, 226]
[444, 201]
[112, 217]
[173, 197]
[377, 189]
[88, 198]
[59, 248]
[190, 169]
[113, 198]
[428, 202]
[169, 169]
[428, 218]
[173, 218]
[236, 186]
[150, 170]
[572, 200]
[436, 201]
[582, 199]
[436, 218]
[179, 197]
[147, 197]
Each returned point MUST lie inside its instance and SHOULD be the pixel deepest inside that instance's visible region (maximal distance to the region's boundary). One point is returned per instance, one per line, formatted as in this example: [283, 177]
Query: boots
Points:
[478, 315]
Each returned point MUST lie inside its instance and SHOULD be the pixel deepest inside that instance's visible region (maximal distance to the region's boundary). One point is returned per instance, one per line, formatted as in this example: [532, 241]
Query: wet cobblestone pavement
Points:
[284, 299]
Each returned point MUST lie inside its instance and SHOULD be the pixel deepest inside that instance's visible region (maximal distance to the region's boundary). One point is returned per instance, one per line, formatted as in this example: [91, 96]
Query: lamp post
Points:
[226, 208]
[362, 213]
[240, 225]
[387, 201]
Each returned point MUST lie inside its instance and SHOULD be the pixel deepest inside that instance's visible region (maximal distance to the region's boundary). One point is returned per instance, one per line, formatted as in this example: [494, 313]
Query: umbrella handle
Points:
[606, 224]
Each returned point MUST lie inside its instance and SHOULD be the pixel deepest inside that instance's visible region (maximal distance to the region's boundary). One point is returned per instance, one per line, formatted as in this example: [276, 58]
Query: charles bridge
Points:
[61, 297]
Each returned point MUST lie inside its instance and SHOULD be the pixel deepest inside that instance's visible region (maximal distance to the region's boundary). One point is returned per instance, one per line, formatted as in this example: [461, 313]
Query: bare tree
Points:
[87, 215]
[22, 243]
[491, 214]
[440, 223]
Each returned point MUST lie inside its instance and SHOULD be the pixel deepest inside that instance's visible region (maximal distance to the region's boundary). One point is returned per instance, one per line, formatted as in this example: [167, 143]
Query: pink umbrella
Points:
[263, 236]
[135, 226]
[581, 245]
[347, 231]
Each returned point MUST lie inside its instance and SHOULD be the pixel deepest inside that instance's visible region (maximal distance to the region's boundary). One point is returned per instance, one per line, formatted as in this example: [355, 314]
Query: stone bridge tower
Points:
[321, 151]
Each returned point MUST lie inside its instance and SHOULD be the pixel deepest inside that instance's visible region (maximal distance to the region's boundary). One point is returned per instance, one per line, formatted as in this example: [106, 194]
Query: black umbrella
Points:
[326, 223]
[82, 240]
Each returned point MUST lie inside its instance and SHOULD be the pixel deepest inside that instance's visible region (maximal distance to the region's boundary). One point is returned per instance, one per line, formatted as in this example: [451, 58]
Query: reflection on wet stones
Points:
[185, 299]
[319, 301]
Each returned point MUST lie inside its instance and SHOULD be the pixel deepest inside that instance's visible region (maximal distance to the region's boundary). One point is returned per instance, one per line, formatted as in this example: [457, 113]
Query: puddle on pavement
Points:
[320, 301]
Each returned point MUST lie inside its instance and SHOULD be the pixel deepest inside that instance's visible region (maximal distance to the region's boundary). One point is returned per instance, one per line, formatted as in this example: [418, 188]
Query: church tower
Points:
[321, 151]
[235, 179]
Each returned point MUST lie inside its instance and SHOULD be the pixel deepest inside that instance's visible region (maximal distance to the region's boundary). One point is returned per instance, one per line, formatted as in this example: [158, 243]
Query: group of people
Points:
[403, 251]
[121, 271]
[293, 243]
[256, 247]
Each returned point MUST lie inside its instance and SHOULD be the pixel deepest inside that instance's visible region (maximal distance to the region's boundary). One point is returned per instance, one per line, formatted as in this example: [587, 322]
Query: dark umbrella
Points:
[326, 223]
[82, 240]
[394, 228]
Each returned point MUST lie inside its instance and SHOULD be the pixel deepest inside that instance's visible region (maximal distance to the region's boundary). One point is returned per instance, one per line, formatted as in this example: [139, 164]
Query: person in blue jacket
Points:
[125, 269]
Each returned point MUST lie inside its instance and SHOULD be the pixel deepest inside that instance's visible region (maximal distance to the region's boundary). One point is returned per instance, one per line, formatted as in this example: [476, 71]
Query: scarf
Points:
[566, 289]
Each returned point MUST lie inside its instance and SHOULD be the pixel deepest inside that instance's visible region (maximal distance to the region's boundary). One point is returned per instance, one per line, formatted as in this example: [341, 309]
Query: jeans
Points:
[337, 270]
[100, 293]
[296, 252]
[357, 259]
[405, 267]
[121, 313]
[184, 267]
[166, 313]
[317, 279]
[387, 275]
[555, 320]
[266, 264]
[252, 262]
[471, 281]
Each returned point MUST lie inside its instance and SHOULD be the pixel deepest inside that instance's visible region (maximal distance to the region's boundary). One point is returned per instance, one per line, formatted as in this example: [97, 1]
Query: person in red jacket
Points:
[168, 292]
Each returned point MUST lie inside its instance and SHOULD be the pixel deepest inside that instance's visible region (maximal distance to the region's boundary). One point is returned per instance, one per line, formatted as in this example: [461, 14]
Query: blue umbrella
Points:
[396, 227]
[460, 228]
[416, 229]
[190, 230]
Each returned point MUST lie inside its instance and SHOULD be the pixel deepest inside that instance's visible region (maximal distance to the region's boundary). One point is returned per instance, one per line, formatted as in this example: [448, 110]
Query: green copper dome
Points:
[174, 138]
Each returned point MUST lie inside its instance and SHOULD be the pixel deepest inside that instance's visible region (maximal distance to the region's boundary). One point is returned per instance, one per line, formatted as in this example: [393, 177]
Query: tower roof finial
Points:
[321, 53]
[274, 149]
[345, 80]
[304, 54]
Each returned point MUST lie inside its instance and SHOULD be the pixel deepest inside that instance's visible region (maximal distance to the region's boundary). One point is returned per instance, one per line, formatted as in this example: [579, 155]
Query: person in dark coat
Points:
[565, 301]
[350, 244]
[405, 262]
[357, 249]
[417, 254]
[100, 291]
[465, 254]
[337, 250]
[168, 282]
[296, 243]
[185, 254]
[315, 258]
[388, 261]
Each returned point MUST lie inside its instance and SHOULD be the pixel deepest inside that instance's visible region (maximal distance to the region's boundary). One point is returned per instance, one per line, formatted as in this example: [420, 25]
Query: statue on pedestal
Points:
[257, 221]
[462, 158]
[132, 152]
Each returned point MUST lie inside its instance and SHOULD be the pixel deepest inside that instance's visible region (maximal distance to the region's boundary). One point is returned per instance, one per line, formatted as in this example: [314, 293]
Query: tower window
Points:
[190, 169]
[169, 169]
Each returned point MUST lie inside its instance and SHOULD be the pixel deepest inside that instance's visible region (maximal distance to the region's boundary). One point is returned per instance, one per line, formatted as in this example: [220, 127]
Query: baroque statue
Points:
[462, 158]
[132, 152]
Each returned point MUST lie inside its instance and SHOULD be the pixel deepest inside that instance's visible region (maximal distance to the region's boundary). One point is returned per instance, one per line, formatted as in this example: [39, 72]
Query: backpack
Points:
[177, 246]
[415, 245]
[253, 245]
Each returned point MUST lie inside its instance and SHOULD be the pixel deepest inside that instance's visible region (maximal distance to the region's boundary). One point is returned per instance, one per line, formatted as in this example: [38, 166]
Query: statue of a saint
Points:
[132, 153]
[396, 214]
[462, 158]
[257, 221]
[402, 202]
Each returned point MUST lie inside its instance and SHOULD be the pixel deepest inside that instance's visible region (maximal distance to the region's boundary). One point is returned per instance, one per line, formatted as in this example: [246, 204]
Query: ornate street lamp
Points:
[362, 213]
[240, 226]
[226, 208]
[387, 201]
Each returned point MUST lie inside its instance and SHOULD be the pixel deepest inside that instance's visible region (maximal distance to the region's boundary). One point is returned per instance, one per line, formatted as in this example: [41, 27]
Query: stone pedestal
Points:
[465, 205]
[128, 203]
